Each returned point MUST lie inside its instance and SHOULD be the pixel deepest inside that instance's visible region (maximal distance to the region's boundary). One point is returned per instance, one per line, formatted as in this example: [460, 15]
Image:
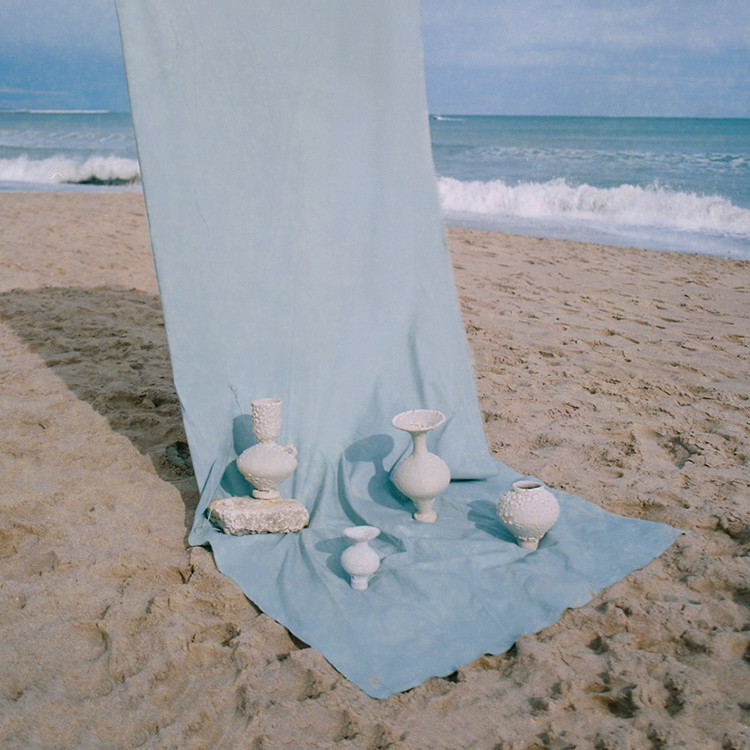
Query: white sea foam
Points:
[626, 205]
[95, 170]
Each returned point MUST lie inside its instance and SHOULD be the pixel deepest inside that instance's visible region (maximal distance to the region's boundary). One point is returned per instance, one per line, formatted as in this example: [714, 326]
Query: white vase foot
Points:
[266, 494]
[529, 543]
[359, 583]
[427, 517]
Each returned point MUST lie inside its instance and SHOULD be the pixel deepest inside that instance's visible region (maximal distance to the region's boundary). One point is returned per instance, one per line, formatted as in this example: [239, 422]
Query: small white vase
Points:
[529, 510]
[421, 476]
[266, 464]
[360, 561]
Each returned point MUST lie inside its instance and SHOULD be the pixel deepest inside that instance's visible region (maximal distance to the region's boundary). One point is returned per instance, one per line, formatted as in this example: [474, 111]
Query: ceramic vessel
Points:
[529, 510]
[360, 561]
[266, 464]
[421, 476]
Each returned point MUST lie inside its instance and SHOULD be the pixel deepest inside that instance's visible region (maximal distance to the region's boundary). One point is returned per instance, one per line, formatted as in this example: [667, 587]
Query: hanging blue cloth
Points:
[294, 219]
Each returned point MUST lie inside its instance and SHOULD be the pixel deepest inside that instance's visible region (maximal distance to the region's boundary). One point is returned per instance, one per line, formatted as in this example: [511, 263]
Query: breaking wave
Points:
[95, 170]
[625, 205]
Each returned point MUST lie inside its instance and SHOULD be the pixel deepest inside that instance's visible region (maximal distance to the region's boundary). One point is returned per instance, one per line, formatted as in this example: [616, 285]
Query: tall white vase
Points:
[266, 464]
[421, 476]
[529, 510]
[360, 561]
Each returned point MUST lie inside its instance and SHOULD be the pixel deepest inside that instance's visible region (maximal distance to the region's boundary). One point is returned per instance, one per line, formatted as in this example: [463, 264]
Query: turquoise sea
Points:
[659, 183]
[67, 151]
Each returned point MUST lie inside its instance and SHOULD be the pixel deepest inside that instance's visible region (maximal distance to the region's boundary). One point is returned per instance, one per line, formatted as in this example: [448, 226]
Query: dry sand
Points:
[620, 375]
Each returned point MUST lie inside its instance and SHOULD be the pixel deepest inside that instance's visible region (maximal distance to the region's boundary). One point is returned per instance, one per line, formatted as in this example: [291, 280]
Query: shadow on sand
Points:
[109, 346]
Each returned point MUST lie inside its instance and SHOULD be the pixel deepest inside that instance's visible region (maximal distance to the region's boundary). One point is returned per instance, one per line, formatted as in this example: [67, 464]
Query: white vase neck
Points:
[419, 440]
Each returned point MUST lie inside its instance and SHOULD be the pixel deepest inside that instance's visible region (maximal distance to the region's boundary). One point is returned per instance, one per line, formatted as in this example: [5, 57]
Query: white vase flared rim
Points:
[418, 420]
[361, 533]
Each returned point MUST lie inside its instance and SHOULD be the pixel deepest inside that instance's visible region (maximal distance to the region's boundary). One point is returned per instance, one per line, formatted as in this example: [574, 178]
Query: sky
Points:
[665, 58]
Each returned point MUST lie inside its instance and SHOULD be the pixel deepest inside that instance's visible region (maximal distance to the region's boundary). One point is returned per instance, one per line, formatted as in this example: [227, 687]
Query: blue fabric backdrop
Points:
[294, 219]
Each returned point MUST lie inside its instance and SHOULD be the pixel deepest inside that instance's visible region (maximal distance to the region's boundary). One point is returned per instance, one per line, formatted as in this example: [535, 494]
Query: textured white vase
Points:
[266, 464]
[359, 560]
[421, 476]
[529, 510]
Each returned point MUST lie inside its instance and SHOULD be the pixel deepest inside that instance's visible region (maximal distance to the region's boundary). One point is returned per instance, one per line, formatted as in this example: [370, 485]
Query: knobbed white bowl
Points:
[529, 510]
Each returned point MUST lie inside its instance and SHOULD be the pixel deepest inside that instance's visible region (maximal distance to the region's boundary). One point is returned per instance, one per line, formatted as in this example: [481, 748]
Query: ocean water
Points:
[657, 183]
[67, 151]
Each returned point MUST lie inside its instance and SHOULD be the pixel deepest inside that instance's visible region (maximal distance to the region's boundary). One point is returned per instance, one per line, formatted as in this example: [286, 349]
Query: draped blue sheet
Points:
[288, 178]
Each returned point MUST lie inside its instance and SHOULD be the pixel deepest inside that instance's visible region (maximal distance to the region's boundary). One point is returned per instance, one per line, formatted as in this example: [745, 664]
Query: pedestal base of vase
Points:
[266, 495]
[246, 515]
[528, 543]
[424, 513]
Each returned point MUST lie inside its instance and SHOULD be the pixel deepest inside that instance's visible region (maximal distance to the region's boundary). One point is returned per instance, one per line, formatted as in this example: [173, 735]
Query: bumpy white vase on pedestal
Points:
[265, 465]
[360, 561]
[421, 476]
[529, 510]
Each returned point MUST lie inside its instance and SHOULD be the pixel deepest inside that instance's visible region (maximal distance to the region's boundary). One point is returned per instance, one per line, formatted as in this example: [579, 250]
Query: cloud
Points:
[485, 33]
[643, 57]
[81, 27]
[545, 56]
[60, 54]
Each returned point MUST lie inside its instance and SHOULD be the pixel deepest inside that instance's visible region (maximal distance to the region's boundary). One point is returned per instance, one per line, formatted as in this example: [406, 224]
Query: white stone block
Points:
[247, 515]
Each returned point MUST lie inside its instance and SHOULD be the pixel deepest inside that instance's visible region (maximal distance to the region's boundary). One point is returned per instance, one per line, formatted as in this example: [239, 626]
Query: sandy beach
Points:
[620, 375]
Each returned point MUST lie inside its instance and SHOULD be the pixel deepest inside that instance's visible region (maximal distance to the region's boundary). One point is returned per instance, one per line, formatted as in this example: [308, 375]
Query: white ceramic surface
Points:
[359, 560]
[422, 475]
[529, 510]
[266, 419]
[266, 464]
[418, 420]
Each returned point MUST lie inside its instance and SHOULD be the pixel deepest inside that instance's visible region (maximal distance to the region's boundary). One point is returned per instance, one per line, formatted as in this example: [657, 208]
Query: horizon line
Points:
[431, 115]
[25, 110]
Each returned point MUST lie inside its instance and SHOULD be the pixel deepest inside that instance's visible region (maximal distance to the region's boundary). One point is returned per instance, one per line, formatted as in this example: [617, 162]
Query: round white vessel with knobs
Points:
[529, 510]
